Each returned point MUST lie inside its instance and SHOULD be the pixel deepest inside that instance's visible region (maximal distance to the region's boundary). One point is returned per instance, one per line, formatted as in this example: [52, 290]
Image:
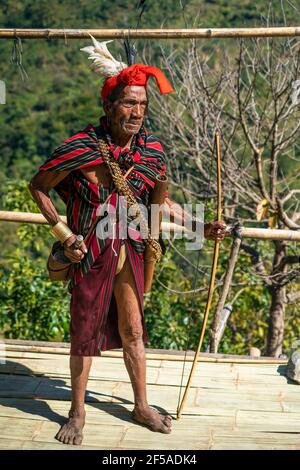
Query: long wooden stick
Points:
[168, 227]
[211, 282]
[208, 33]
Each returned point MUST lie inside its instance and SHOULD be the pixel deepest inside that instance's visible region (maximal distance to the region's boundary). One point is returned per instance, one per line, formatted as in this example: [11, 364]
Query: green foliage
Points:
[167, 313]
[31, 306]
[15, 196]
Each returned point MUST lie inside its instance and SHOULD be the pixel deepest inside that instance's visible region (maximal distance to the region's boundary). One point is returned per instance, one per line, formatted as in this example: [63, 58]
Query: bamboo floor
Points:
[235, 402]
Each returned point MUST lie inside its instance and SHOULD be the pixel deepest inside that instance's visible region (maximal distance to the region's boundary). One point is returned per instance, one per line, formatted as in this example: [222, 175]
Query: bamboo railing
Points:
[162, 33]
[245, 232]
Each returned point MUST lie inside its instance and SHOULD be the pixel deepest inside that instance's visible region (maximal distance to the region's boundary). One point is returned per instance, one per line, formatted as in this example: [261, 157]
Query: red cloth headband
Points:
[137, 74]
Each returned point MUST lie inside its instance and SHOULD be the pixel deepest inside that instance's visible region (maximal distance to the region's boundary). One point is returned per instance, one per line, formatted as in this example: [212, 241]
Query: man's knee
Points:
[131, 333]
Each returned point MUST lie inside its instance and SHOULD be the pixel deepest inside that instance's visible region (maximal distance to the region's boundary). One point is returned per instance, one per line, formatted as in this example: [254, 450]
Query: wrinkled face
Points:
[126, 114]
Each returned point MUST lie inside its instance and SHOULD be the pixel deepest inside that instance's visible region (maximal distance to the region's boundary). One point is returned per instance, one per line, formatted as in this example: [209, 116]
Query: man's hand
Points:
[74, 255]
[212, 231]
[215, 230]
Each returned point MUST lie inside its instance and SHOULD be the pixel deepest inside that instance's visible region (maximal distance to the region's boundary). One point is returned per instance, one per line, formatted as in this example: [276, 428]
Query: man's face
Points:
[127, 113]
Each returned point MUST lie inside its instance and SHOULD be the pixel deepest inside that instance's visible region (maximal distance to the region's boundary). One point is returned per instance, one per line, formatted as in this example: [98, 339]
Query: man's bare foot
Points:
[71, 432]
[152, 419]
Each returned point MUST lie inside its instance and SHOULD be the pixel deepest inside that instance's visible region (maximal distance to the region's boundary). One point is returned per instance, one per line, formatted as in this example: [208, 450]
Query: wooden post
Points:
[216, 332]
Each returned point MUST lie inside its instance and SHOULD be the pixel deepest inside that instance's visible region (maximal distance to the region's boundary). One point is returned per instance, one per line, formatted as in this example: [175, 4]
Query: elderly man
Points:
[107, 290]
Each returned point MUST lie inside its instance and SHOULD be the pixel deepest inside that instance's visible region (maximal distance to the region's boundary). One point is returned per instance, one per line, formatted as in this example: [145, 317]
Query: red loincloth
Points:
[94, 316]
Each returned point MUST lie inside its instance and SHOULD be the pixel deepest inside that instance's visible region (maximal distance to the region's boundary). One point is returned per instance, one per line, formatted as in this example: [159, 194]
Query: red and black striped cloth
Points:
[83, 198]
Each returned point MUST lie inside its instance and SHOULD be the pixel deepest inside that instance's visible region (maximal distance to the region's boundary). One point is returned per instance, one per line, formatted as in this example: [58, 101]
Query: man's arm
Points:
[39, 186]
[212, 231]
[175, 211]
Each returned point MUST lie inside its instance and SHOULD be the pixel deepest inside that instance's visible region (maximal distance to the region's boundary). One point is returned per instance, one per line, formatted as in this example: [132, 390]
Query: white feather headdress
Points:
[104, 64]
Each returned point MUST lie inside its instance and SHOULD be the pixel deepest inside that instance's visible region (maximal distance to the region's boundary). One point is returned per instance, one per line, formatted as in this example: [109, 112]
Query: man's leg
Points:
[131, 332]
[71, 432]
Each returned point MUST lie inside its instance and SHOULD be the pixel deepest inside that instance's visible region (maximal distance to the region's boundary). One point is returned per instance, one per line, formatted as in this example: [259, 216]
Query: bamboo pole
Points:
[153, 354]
[167, 227]
[270, 234]
[245, 232]
[162, 33]
[26, 217]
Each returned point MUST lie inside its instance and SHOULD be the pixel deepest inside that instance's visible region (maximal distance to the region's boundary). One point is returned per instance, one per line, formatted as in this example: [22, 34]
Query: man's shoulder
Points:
[153, 143]
[85, 134]
[75, 151]
[150, 138]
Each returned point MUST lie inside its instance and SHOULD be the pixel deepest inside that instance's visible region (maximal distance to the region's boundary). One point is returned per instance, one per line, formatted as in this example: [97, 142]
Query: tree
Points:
[253, 100]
